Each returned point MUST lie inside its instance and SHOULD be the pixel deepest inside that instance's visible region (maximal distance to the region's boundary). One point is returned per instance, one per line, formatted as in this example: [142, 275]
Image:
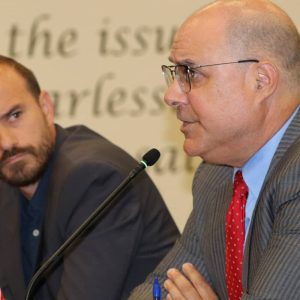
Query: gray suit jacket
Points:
[118, 252]
[271, 268]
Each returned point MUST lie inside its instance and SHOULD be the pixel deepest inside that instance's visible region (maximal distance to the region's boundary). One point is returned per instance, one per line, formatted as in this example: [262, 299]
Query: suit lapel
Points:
[223, 192]
[214, 215]
[10, 247]
[290, 136]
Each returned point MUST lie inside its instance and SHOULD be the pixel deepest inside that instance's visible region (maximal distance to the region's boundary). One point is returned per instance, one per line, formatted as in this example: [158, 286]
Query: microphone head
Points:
[151, 157]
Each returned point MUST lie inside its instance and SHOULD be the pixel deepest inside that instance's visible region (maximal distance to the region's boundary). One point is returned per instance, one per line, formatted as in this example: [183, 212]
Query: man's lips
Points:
[187, 121]
[13, 158]
[185, 126]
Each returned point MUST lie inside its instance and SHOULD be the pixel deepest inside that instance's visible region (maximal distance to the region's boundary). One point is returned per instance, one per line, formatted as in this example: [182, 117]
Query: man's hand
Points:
[188, 285]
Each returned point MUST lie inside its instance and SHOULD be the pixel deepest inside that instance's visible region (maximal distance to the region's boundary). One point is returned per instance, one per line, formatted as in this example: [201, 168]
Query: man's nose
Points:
[174, 95]
[7, 139]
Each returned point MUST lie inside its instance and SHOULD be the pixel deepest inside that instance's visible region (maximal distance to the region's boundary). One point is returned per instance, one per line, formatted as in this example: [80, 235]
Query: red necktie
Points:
[1, 296]
[235, 236]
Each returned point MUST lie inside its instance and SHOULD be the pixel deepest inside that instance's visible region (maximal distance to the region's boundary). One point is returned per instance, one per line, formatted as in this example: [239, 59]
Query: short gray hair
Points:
[266, 34]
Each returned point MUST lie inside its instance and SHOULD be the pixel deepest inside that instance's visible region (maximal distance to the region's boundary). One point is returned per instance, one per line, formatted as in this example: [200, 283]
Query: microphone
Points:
[149, 159]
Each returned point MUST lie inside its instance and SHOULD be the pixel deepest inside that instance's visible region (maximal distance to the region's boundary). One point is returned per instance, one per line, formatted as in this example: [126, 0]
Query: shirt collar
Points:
[256, 168]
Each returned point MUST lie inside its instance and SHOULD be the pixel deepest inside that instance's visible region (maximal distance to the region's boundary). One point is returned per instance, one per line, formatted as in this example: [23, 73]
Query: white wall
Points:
[100, 60]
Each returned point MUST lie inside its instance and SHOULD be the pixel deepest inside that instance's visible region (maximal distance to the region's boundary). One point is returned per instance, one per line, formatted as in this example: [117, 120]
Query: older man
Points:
[235, 84]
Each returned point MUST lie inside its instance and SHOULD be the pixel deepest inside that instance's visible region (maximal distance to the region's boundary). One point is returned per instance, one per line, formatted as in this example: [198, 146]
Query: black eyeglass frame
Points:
[172, 69]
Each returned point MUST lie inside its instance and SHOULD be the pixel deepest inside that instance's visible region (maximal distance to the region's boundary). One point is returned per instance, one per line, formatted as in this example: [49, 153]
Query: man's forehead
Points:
[198, 39]
[12, 84]
[8, 72]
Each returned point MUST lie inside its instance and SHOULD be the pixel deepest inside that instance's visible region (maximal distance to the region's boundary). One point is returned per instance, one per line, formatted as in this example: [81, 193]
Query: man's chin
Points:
[18, 182]
[191, 149]
[21, 178]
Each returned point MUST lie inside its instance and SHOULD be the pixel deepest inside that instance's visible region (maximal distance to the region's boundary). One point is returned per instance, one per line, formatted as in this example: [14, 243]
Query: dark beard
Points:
[21, 175]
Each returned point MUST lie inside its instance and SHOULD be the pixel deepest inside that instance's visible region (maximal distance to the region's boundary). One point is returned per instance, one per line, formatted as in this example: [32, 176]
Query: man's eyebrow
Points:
[186, 62]
[171, 60]
[10, 111]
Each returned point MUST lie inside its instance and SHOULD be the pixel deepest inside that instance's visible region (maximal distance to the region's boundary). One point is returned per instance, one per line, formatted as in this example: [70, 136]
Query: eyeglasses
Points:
[186, 75]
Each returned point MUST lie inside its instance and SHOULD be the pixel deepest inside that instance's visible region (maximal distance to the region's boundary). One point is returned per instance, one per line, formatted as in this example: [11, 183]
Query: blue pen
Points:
[156, 290]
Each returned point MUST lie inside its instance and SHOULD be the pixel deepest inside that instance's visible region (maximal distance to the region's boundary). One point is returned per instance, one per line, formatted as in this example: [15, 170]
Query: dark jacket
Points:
[117, 253]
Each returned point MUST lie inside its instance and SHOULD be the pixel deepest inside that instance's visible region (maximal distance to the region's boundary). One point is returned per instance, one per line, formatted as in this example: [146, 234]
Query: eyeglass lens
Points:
[180, 72]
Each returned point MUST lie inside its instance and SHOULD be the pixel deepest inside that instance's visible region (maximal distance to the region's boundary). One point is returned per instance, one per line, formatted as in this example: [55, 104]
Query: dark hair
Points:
[29, 77]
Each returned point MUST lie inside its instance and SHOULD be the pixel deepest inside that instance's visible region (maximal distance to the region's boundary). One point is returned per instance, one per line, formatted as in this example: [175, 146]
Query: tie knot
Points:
[239, 185]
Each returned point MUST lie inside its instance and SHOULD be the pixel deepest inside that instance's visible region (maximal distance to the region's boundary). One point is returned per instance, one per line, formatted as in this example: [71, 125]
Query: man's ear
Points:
[47, 107]
[267, 78]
